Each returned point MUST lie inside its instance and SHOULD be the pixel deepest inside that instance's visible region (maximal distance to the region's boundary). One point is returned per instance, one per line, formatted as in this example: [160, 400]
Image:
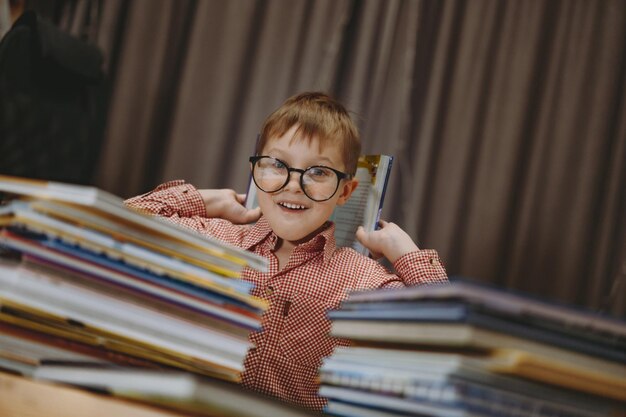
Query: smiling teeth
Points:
[292, 206]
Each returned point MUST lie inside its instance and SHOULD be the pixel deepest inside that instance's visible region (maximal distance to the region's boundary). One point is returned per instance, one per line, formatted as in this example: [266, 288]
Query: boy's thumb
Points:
[253, 215]
[361, 236]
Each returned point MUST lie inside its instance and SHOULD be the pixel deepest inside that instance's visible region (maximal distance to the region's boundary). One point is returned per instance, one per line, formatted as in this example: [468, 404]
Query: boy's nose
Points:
[294, 181]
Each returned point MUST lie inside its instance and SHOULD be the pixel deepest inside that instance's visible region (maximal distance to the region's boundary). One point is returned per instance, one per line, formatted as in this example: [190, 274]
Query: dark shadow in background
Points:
[53, 101]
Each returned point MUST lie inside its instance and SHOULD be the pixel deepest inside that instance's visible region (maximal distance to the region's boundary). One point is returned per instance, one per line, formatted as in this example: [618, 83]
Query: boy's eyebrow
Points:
[280, 155]
[322, 159]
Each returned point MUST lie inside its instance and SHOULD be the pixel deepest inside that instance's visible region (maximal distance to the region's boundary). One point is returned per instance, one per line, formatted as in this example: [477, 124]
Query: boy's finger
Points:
[252, 215]
[240, 198]
[361, 236]
[256, 213]
[241, 215]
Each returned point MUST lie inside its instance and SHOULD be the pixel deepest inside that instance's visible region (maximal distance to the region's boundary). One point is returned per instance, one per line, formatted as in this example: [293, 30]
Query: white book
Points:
[109, 314]
[174, 389]
[370, 399]
[16, 367]
[466, 335]
[35, 352]
[448, 399]
[422, 379]
[337, 408]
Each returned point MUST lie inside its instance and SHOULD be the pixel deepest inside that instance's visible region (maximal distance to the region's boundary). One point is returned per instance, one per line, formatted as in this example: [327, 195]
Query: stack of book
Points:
[86, 279]
[467, 349]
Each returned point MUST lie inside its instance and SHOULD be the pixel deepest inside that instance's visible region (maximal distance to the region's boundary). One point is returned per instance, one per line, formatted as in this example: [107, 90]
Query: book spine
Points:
[383, 192]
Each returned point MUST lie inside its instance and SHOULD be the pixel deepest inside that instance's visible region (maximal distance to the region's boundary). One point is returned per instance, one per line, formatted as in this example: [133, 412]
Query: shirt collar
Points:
[323, 241]
[259, 231]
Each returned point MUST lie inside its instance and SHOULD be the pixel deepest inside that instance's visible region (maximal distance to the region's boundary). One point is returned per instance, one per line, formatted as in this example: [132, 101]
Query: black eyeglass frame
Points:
[340, 176]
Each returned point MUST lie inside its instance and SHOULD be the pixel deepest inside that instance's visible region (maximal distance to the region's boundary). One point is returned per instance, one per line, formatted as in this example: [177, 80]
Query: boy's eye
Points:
[319, 172]
[278, 164]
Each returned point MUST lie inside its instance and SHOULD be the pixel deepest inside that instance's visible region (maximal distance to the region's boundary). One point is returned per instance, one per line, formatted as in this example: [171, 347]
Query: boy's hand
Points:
[389, 241]
[228, 205]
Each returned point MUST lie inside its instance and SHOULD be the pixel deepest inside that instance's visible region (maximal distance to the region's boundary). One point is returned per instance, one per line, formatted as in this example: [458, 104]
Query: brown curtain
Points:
[507, 118]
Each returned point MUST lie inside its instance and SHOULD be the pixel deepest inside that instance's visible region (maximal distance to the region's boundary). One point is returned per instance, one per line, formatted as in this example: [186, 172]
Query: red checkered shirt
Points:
[295, 331]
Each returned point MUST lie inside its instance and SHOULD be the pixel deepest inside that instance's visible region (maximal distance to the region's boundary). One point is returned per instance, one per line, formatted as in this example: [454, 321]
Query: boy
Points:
[306, 156]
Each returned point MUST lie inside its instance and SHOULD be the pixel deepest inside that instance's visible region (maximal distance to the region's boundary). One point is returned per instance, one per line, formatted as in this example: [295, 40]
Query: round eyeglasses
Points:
[319, 183]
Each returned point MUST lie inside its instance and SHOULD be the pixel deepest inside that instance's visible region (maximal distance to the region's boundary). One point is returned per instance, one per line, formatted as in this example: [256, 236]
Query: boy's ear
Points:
[346, 190]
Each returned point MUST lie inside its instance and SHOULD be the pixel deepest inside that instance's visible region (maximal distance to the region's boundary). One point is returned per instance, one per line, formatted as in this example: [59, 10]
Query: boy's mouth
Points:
[291, 206]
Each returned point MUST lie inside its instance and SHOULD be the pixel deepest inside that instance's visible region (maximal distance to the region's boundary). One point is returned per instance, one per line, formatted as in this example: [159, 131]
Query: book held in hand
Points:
[364, 206]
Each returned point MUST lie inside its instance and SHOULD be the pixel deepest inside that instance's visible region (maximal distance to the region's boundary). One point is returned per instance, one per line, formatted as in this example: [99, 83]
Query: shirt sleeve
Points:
[414, 268]
[182, 204]
[421, 267]
[173, 198]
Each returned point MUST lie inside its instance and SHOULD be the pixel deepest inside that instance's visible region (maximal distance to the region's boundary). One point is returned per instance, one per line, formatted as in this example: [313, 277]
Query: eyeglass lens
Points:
[318, 183]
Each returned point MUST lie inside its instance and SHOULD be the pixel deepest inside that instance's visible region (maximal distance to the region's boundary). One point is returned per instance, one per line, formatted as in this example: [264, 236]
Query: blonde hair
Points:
[317, 115]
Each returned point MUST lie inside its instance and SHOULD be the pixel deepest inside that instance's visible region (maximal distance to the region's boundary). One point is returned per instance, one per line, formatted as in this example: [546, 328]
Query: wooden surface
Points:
[21, 397]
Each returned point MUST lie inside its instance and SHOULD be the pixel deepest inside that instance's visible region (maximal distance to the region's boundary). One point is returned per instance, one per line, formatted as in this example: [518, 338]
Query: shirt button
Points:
[434, 261]
[269, 290]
